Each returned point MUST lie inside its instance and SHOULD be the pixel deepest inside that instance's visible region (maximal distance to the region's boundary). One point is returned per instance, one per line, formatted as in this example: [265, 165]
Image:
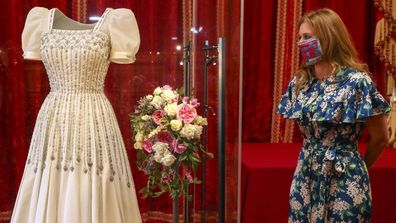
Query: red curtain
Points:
[22, 90]
[258, 69]
[258, 73]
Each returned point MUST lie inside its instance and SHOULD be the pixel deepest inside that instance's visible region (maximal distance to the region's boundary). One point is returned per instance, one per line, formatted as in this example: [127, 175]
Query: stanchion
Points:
[205, 110]
[221, 128]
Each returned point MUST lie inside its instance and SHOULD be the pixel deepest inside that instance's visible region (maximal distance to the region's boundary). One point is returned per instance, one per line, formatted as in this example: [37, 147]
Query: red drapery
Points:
[22, 90]
[259, 56]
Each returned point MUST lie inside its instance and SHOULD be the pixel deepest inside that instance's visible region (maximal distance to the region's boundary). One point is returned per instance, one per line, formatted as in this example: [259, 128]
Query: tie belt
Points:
[332, 161]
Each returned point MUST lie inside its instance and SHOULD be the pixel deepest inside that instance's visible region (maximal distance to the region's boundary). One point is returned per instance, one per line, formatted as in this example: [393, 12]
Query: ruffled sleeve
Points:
[289, 106]
[31, 34]
[125, 38]
[353, 99]
[368, 101]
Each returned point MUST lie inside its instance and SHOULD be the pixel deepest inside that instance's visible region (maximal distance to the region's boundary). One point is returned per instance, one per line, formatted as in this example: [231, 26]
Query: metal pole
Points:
[187, 49]
[221, 129]
[204, 137]
[175, 203]
[207, 61]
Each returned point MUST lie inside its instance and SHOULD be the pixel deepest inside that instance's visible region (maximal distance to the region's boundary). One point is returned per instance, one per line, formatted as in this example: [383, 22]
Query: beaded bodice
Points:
[76, 60]
[76, 112]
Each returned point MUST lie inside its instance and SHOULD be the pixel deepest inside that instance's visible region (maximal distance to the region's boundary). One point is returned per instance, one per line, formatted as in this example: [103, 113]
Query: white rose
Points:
[160, 147]
[139, 137]
[154, 132]
[157, 102]
[138, 145]
[146, 117]
[168, 158]
[197, 131]
[188, 131]
[149, 97]
[158, 157]
[199, 120]
[158, 91]
[168, 95]
[171, 109]
[176, 125]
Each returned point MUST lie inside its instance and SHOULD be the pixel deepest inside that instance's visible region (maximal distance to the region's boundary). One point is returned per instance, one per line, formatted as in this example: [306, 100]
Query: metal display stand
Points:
[209, 60]
[187, 78]
[221, 126]
[220, 47]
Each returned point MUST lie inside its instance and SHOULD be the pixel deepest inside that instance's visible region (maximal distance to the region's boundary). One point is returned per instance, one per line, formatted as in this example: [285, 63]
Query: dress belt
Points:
[334, 161]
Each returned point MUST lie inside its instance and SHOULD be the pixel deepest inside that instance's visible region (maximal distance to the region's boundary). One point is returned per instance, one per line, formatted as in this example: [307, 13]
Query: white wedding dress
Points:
[77, 169]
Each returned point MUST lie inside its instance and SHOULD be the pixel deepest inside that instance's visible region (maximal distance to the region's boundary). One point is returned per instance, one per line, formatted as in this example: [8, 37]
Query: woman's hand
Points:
[379, 137]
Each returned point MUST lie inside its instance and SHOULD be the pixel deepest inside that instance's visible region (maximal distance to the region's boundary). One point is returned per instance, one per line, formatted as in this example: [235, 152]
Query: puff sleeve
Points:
[125, 37]
[31, 33]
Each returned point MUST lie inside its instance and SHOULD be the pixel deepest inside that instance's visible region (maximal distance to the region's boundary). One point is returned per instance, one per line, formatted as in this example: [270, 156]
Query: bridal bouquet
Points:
[167, 130]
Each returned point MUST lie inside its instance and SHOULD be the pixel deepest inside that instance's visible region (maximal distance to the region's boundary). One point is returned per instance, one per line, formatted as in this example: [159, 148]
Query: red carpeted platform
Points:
[267, 171]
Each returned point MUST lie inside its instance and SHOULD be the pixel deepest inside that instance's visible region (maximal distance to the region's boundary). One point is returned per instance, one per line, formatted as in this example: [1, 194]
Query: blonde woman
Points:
[332, 98]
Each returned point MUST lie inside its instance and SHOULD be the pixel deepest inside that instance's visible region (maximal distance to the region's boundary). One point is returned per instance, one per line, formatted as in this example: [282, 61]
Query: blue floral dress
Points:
[331, 181]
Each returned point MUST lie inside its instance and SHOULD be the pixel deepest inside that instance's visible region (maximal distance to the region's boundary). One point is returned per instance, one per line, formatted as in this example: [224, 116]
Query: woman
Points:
[332, 98]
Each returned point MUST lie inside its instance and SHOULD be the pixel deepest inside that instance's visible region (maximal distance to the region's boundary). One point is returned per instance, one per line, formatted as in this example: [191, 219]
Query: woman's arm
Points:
[378, 130]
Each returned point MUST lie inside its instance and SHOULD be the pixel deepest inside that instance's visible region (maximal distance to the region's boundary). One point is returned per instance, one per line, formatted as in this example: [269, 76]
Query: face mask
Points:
[310, 50]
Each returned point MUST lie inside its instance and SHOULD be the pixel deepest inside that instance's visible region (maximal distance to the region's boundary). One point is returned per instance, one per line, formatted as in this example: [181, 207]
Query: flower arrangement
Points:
[167, 130]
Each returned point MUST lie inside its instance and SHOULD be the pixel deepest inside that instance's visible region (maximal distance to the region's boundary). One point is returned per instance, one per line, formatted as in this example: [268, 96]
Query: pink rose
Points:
[148, 145]
[167, 87]
[173, 145]
[194, 102]
[180, 148]
[185, 99]
[186, 113]
[176, 99]
[165, 137]
[157, 115]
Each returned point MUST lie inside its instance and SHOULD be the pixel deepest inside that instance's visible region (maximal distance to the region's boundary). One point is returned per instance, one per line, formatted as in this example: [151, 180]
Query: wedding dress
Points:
[77, 168]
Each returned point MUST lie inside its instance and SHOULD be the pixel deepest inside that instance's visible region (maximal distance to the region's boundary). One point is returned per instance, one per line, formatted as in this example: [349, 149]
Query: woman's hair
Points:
[336, 42]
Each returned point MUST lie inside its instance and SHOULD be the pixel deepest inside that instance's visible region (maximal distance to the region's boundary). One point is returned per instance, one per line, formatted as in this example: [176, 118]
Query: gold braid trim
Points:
[297, 12]
[281, 21]
[187, 20]
[83, 11]
[79, 10]
[165, 217]
[5, 215]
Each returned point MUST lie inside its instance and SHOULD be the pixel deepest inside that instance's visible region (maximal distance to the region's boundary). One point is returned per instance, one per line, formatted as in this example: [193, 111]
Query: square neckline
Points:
[95, 25]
